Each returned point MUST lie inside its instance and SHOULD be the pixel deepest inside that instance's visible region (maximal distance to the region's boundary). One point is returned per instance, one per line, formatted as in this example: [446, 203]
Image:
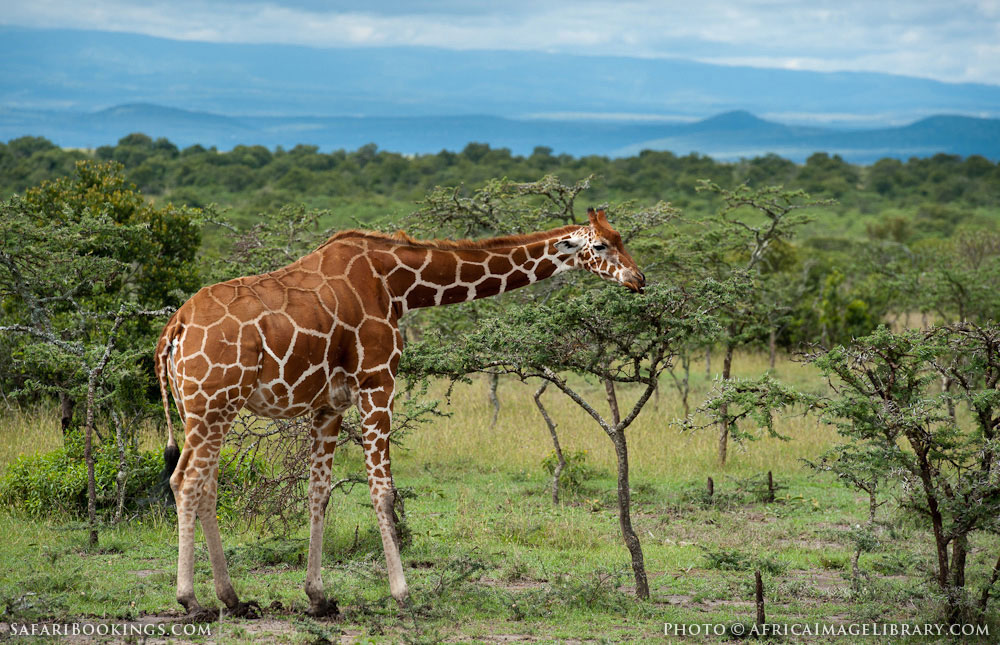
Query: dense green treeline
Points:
[903, 201]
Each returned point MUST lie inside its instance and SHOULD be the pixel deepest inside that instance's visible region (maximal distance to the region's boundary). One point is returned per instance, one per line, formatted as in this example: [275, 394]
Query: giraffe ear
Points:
[597, 218]
[568, 246]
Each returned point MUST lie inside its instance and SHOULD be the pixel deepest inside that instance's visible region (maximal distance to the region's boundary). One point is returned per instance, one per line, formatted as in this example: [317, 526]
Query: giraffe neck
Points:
[428, 275]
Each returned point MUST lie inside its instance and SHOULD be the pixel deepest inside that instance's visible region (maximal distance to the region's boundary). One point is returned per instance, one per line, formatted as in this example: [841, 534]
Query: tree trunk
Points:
[772, 347]
[625, 496]
[682, 384]
[984, 599]
[946, 383]
[560, 460]
[940, 544]
[625, 517]
[872, 507]
[88, 457]
[727, 366]
[122, 475]
[686, 391]
[609, 390]
[66, 405]
[759, 598]
[494, 380]
[956, 594]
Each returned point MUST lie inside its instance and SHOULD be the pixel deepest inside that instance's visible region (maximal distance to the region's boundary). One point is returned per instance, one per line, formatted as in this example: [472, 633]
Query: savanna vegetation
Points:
[807, 391]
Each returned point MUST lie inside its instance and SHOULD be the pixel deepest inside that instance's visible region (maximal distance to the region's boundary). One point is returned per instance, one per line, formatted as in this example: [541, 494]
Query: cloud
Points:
[955, 41]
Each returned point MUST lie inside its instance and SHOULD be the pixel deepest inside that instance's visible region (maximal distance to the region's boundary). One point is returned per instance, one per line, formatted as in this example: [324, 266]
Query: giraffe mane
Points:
[402, 238]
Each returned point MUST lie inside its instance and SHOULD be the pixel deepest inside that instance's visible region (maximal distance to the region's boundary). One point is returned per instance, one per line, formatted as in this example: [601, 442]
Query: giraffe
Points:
[318, 336]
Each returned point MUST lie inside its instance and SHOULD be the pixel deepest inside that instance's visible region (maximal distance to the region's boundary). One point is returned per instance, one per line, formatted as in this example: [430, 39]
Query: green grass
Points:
[490, 555]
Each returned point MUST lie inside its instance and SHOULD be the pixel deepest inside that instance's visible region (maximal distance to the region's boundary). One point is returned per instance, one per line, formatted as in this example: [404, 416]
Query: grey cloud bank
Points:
[957, 41]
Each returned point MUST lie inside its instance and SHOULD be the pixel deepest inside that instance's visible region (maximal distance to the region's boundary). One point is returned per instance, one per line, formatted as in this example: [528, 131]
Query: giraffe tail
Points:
[171, 453]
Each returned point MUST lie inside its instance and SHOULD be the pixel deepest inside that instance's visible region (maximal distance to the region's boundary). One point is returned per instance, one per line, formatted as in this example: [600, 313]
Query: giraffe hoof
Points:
[324, 609]
[250, 610]
[202, 615]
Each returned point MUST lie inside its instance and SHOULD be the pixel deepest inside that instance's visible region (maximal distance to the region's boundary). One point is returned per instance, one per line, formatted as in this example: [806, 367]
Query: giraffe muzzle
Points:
[636, 282]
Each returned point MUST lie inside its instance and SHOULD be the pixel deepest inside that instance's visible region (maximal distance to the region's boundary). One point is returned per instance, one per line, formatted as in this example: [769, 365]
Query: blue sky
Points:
[951, 40]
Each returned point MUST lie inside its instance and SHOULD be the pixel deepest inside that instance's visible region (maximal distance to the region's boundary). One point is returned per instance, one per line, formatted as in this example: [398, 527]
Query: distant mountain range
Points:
[731, 135]
[88, 88]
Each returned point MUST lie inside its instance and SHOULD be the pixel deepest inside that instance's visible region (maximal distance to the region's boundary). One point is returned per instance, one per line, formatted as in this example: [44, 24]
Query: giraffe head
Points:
[598, 248]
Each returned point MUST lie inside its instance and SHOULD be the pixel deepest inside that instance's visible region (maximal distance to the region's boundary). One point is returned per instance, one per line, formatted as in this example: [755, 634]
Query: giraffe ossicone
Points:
[320, 335]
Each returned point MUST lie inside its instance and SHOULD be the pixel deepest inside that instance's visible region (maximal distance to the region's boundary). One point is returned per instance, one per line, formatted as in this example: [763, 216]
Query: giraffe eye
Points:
[600, 247]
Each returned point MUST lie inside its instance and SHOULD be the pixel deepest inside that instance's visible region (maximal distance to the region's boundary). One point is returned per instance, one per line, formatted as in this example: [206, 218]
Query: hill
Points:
[726, 136]
[87, 71]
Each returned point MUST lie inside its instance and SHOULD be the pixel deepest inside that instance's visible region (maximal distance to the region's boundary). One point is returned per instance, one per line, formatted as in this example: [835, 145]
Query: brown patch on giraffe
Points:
[500, 265]
[376, 354]
[421, 296]
[209, 308]
[278, 331]
[488, 287]
[270, 292]
[471, 272]
[216, 377]
[310, 263]
[224, 293]
[455, 294]
[475, 255]
[519, 256]
[412, 257]
[544, 269]
[194, 337]
[280, 392]
[245, 306]
[350, 360]
[215, 416]
[360, 271]
[442, 271]
[308, 388]
[516, 279]
[400, 279]
[233, 374]
[536, 251]
[306, 310]
[197, 364]
[307, 280]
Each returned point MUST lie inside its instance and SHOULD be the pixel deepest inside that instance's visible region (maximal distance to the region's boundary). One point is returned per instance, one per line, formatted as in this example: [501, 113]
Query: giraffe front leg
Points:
[325, 429]
[376, 411]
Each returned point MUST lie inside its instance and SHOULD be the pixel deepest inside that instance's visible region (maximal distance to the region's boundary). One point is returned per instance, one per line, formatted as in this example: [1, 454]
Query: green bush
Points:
[576, 471]
[55, 483]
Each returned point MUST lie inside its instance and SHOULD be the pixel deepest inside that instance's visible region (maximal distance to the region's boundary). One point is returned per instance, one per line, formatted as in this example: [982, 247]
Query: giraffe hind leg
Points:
[195, 487]
[185, 493]
[220, 571]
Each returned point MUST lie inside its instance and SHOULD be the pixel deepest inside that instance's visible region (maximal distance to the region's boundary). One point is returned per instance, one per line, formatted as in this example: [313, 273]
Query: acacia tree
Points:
[604, 333]
[498, 207]
[505, 207]
[55, 280]
[87, 243]
[901, 433]
[743, 238]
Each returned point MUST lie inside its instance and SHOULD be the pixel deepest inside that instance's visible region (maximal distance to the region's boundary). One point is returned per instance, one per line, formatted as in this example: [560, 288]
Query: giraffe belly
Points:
[277, 401]
[265, 402]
